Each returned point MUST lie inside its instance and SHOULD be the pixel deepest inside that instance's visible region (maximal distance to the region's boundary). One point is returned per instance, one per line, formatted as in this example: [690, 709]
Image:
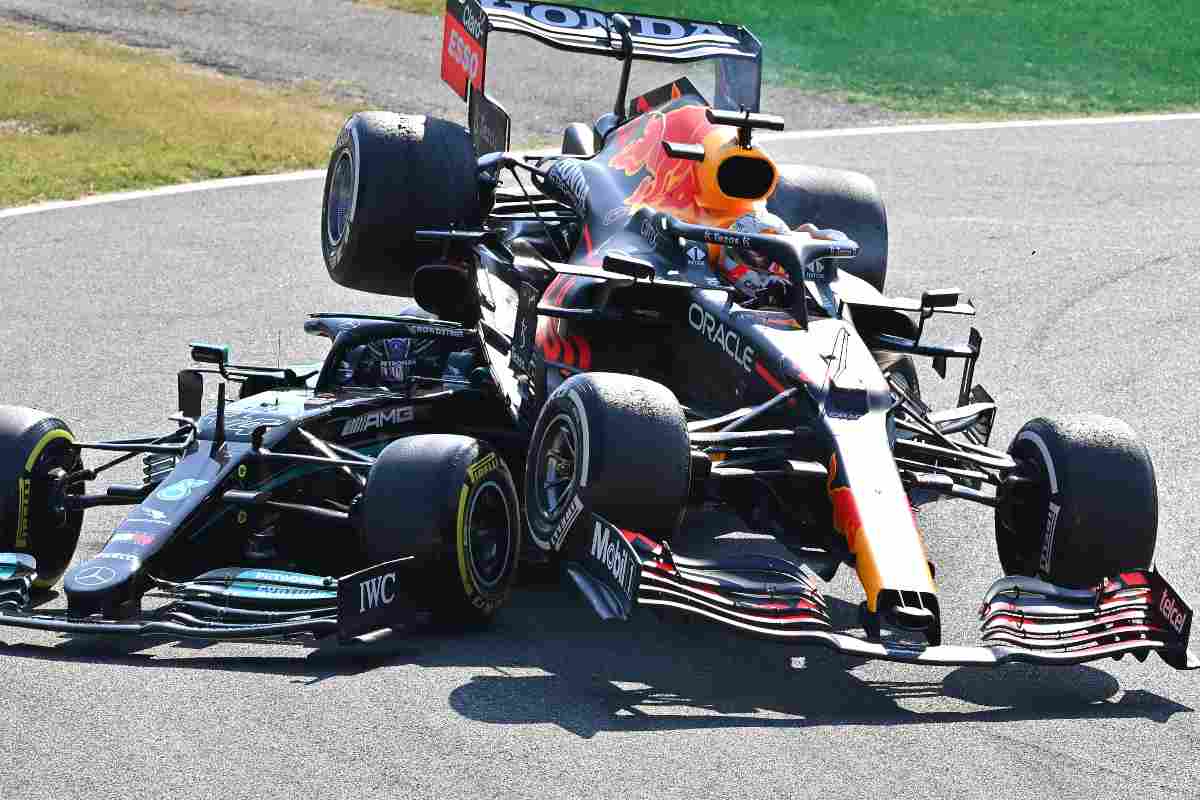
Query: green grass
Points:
[80, 115]
[966, 57]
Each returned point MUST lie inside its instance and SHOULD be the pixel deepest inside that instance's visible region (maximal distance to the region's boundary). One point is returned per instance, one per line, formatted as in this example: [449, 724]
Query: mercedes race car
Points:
[718, 452]
[348, 498]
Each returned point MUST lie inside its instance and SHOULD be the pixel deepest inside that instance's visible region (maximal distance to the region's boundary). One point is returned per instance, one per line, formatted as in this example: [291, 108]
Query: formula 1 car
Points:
[385, 465]
[661, 403]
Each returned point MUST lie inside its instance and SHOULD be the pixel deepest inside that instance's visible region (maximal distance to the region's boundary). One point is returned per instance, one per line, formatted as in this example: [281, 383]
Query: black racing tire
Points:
[449, 501]
[617, 442]
[1091, 510]
[32, 443]
[840, 199]
[389, 176]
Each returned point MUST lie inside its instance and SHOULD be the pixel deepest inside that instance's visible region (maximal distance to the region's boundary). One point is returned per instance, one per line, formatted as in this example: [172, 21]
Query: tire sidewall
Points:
[346, 145]
[27, 524]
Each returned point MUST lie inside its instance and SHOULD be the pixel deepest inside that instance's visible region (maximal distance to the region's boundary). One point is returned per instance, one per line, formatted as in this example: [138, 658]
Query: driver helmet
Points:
[748, 269]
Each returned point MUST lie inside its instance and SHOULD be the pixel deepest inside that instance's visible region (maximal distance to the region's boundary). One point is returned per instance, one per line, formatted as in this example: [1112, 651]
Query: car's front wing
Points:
[232, 604]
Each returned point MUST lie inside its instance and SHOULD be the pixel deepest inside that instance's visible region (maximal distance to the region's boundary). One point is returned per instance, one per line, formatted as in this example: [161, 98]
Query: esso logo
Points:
[462, 54]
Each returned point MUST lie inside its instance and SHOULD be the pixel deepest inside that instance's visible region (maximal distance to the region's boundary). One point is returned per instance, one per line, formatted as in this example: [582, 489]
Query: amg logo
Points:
[729, 339]
[1170, 609]
[480, 467]
[567, 522]
[1048, 537]
[374, 592]
[377, 419]
[608, 551]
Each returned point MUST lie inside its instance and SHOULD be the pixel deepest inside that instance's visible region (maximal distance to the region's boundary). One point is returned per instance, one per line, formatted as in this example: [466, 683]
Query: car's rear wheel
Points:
[448, 501]
[1088, 508]
[33, 445]
[616, 443]
[840, 199]
[389, 176]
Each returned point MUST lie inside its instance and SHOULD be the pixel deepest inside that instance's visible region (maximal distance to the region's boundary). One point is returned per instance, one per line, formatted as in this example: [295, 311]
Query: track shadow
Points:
[553, 662]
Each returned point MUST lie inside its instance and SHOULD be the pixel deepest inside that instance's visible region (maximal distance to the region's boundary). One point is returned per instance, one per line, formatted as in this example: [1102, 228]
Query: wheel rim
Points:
[340, 199]
[489, 535]
[556, 468]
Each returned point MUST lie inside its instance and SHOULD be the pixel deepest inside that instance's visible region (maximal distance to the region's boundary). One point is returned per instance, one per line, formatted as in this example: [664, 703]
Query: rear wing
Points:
[585, 30]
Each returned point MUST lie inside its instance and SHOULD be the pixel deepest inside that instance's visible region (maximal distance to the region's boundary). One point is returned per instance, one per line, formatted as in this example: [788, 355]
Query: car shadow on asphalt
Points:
[549, 660]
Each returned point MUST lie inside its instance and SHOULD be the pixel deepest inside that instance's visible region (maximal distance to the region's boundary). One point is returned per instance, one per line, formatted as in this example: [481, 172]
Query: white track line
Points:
[182, 188]
[952, 127]
[881, 130]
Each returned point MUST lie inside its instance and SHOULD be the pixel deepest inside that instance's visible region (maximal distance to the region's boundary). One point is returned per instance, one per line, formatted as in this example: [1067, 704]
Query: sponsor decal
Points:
[142, 539]
[179, 489]
[566, 522]
[464, 39]
[726, 239]
[241, 471]
[149, 516]
[377, 419]
[396, 371]
[119, 557]
[376, 592]
[615, 215]
[670, 184]
[480, 467]
[241, 425]
[696, 255]
[94, 575]
[715, 331]
[650, 233]
[585, 19]
[434, 330]
[489, 123]
[1173, 611]
[23, 490]
[568, 178]
[1048, 536]
[613, 551]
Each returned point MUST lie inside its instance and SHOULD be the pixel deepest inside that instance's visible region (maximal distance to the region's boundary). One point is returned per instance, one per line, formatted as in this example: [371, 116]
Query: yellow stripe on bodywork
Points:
[24, 485]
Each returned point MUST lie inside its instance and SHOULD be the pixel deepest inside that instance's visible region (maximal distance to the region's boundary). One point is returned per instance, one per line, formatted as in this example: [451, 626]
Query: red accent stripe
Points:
[768, 377]
[587, 240]
[585, 351]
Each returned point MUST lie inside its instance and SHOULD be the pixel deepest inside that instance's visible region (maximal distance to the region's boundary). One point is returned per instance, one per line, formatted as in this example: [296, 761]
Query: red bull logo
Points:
[846, 519]
[555, 346]
[670, 184]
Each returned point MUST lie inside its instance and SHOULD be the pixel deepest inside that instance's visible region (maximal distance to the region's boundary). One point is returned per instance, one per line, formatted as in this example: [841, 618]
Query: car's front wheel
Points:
[1084, 505]
[448, 501]
[616, 444]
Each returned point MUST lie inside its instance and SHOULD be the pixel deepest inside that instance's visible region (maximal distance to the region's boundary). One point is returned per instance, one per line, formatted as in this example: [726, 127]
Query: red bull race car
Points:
[718, 451]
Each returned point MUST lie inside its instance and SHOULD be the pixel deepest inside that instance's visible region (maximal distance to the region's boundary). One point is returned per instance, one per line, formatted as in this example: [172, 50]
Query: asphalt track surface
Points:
[1079, 245]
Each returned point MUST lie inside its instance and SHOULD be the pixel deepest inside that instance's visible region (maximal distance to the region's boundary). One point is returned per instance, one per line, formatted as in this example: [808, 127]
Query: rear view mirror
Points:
[191, 393]
[206, 353]
[939, 298]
